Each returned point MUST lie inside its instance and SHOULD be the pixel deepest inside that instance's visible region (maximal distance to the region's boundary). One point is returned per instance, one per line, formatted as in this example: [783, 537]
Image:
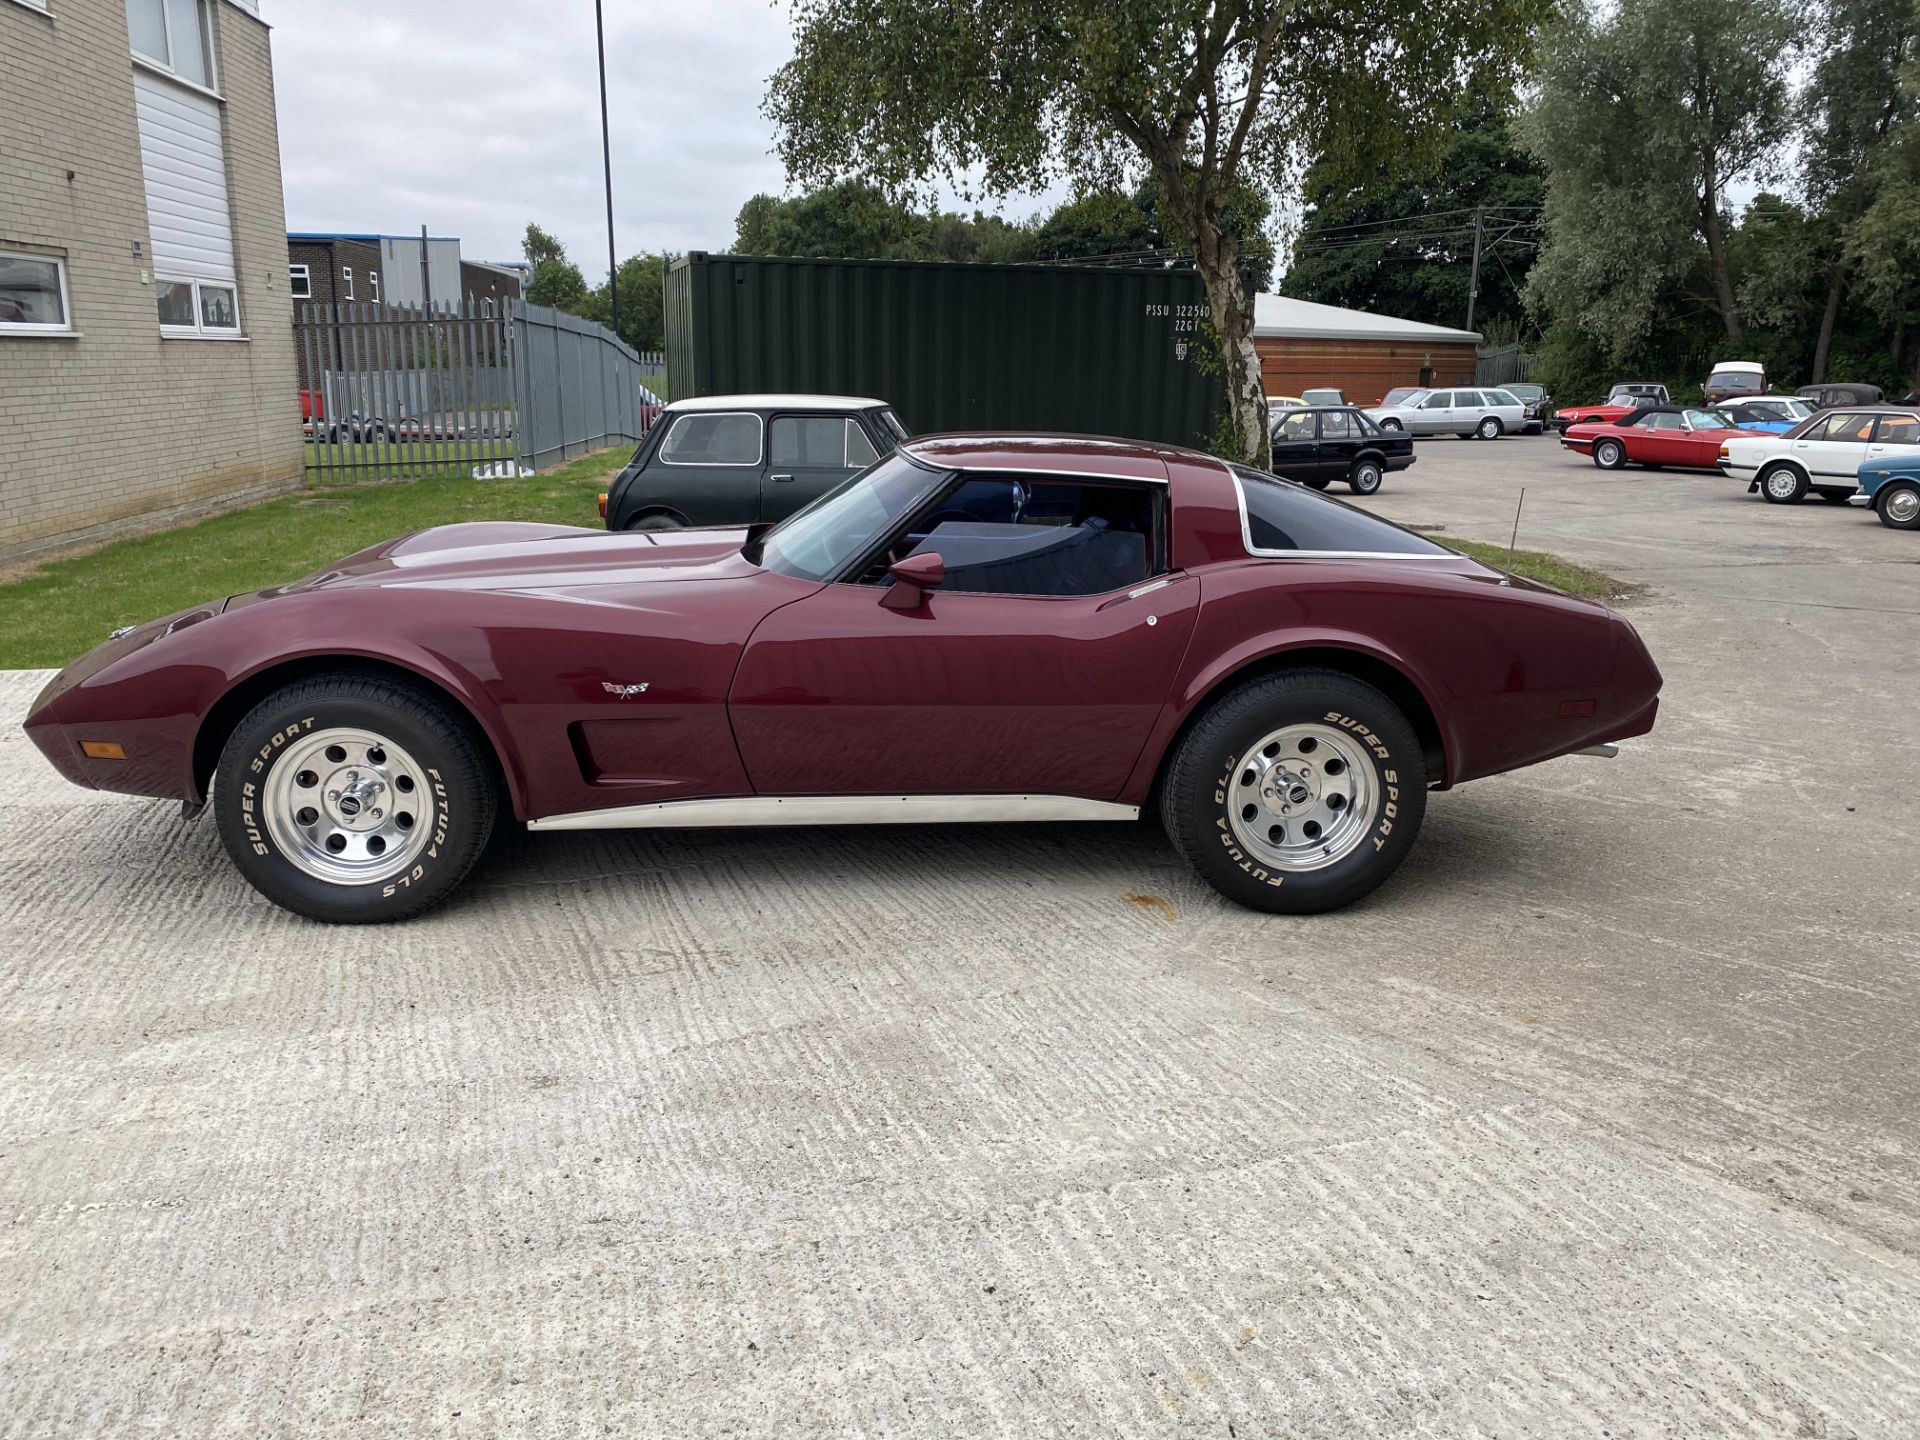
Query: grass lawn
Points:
[66, 607]
[1538, 565]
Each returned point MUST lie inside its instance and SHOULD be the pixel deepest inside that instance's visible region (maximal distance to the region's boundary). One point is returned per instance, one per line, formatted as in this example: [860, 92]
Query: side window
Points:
[720, 438]
[1662, 422]
[860, 451]
[1297, 426]
[1438, 400]
[1010, 536]
[806, 442]
[1283, 518]
[1848, 429]
[1897, 430]
[1336, 425]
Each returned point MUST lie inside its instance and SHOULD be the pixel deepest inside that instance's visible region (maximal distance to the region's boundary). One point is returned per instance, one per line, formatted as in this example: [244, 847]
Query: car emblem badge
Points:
[625, 691]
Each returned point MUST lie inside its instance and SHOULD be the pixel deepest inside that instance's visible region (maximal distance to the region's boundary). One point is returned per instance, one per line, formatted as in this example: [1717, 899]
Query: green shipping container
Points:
[954, 347]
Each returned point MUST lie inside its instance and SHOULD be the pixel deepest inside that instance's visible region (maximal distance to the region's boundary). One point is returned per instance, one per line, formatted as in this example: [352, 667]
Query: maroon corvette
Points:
[975, 628]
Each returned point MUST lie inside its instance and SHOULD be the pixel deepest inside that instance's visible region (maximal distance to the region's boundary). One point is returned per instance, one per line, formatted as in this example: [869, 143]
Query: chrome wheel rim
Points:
[1368, 479]
[1609, 455]
[1489, 428]
[1903, 505]
[1781, 483]
[348, 806]
[1303, 797]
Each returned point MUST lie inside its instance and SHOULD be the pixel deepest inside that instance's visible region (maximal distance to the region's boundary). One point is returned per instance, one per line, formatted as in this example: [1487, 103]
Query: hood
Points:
[495, 556]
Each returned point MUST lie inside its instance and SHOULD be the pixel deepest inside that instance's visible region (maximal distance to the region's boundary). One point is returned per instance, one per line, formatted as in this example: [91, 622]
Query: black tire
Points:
[1201, 774]
[1609, 454]
[658, 520]
[1365, 477]
[1898, 497]
[1391, 424]
[1316, 482]
[1783, 484]
[1490, 428]
[1836, 497]
[460, 785]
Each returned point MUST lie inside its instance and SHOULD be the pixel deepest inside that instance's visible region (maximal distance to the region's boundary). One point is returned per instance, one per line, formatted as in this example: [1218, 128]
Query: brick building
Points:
[1304, 346]
[146, 351]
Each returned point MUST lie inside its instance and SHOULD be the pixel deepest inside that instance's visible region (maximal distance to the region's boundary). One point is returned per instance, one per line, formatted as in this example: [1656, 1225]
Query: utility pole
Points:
[606, 159]
[1473, 283]
[426, 275]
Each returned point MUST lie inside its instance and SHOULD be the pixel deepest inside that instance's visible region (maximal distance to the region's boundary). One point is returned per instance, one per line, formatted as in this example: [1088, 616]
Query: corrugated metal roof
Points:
[1281, 316]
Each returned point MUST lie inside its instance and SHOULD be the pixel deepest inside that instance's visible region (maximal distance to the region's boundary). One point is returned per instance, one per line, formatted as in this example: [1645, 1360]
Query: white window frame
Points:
[39, 7]
[59, 263]
[203, 11]
[200, 330]
[373, 283]
[298, 275]
[346, 275]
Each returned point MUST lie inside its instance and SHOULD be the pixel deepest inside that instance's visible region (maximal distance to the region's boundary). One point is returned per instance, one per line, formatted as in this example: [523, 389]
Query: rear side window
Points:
[1898, 430]
[1336, 425]
[1290, 519]
[717, 438]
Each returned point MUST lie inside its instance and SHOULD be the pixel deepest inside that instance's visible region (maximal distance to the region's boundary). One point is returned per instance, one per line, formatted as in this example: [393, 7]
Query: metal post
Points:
[426, 275]
[606, 159]
[1473, 283]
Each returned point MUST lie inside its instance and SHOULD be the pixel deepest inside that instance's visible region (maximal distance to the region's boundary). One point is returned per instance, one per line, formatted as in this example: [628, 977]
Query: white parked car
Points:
[1486, 413]
[1823, 454]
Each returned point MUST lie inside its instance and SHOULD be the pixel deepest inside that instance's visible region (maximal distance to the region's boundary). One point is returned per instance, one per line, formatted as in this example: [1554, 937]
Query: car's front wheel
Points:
[1490, 428]
[1364, 478]
[1783, 484]
[1609, 454]
[354, 798]
[1898, 507]
[1296, 793]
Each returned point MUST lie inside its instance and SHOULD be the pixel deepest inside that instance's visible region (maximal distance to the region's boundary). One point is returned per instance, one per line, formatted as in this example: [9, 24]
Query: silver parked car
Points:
[1483, 412]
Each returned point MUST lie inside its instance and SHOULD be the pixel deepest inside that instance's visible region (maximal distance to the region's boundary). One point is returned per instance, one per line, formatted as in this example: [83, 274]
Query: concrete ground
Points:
[1599, 1119]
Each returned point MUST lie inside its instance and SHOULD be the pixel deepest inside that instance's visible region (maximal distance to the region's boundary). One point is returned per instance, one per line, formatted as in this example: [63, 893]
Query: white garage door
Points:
[188, 218]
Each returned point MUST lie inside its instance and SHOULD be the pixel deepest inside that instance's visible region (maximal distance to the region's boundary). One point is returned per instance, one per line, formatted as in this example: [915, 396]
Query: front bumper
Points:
[1862, 498]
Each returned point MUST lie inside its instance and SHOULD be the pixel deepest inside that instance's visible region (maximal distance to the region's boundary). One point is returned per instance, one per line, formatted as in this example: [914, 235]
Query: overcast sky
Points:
[475, 117]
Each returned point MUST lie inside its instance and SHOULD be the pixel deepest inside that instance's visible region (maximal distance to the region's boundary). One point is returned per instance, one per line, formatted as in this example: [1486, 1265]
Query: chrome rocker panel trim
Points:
[837, 810]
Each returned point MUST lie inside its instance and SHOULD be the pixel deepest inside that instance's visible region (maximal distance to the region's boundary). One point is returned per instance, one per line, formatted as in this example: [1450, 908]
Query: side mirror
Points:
[912, 578]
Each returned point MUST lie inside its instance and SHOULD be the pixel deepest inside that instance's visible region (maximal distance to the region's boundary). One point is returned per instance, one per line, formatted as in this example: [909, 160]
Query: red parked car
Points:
[973, 628]
[1668, 436]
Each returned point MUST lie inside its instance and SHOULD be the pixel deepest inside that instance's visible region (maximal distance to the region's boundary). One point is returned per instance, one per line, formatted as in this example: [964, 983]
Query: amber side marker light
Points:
[1575, 709]
[103, 750]
[603, 504]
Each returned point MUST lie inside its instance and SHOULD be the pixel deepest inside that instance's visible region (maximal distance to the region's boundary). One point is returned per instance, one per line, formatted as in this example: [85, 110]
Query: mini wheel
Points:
[1365, 477]
[658, 520]
[1783, 484]
[1296, 793]
[1609, 454]
[1898, 506]
[352, 798]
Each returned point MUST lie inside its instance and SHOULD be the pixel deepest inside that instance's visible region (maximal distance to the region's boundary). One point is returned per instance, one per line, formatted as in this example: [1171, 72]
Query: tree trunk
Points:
[1823, 345]
[1717, 249]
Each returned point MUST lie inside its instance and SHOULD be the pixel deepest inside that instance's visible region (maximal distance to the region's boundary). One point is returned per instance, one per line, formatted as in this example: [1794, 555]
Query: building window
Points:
[174, 35]
[373, 280]
[40, 5]
[33, 295]
[346, 282]
[197, 307]
[301, 279]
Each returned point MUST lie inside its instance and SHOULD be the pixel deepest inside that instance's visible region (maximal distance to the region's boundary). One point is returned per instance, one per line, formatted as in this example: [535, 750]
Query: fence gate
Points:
[406, 391]
[1505, 364]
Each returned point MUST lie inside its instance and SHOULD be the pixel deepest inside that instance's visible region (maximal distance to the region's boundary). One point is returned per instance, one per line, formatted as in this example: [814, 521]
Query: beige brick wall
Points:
[116, 428]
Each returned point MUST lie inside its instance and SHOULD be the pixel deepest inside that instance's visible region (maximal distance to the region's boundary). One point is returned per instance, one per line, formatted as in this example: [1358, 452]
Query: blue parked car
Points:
[1769, 414]
[1891, 486]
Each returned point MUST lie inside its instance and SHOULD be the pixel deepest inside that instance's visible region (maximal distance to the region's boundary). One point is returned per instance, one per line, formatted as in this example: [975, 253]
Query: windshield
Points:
[1728, 379]
[1709, 420]
[1400, 394]
[1528, 393]
[818, 542]
[892, 422]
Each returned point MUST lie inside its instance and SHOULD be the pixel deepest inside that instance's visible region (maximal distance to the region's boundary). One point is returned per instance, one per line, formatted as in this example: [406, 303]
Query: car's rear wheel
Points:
[1783, 484]
[1391, 424]
[658, 520]
[1609, 454]
[354, 798]
[1898, 507]
[1315, 482]
[1296, 793]
[1365, 477]
[1490, 428]
[1836, 497]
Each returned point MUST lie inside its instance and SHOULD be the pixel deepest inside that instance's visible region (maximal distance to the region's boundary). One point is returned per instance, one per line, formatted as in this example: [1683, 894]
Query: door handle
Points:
[781, 479]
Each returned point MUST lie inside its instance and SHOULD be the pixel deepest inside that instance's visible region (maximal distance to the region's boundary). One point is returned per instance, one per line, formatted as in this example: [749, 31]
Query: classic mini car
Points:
[1630, 395]
[746, 459]
[1337, 442]
[1482, 412]
[1822, 454]
[1891, 489]
[1733, 378]
[1668, 436]
[985, 627]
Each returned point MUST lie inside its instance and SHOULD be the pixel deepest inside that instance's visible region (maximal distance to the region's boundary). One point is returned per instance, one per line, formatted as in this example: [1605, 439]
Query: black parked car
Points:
[1337, 442]
[1539, 404]
[1831, 396]
[746, 459]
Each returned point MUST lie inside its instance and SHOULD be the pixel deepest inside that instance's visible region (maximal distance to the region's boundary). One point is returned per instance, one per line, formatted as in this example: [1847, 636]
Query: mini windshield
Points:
[818, 542]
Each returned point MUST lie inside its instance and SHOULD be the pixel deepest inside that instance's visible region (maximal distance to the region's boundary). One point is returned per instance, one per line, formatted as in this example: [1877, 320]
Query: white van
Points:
[1736, 377]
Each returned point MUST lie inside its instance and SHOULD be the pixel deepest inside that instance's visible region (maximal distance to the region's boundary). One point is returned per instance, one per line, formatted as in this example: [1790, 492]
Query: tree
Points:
[1645, 114]
[1205, 97]
[1400, 242]
[643, 321]
[556, 281]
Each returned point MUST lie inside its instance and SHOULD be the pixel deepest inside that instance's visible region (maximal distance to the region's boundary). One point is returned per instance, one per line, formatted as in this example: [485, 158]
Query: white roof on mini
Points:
[775, 402]
[1283, 316]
